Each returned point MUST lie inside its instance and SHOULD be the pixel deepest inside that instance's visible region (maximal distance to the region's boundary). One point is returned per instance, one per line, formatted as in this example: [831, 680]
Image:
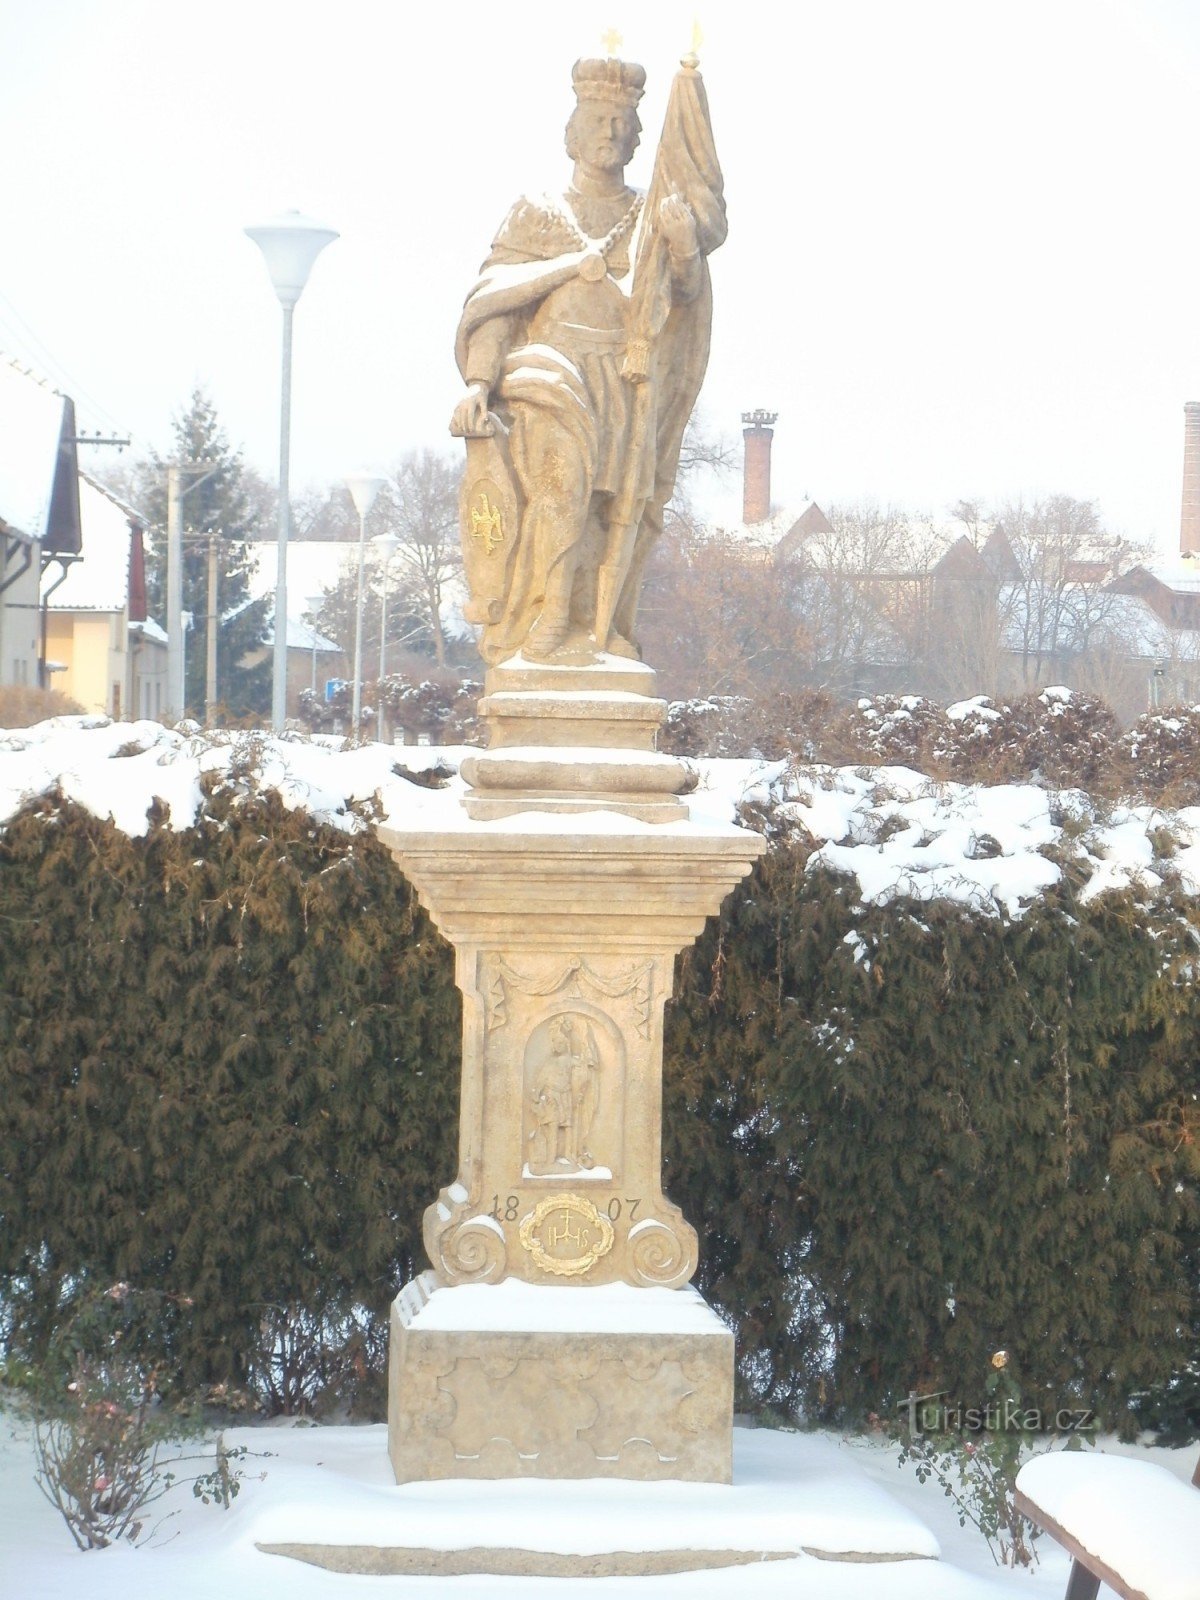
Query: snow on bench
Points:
[1127, 1523]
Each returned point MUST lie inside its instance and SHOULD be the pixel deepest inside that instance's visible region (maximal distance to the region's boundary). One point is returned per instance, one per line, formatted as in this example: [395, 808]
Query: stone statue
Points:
[583, 346]
[564, 1100]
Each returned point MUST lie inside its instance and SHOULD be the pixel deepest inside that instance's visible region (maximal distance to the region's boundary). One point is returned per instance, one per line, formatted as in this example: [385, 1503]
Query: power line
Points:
[59, 374]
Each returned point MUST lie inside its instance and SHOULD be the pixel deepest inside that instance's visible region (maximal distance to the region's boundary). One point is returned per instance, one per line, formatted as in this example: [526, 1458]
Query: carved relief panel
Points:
[573, 1097]
[560, 1161]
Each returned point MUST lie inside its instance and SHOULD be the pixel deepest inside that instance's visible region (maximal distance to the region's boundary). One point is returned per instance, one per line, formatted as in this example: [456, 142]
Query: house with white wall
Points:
[39, 512]
[101, 648]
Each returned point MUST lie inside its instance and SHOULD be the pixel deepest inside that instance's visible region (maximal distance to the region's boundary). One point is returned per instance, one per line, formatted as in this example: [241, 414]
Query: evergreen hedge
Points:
[908, 1135]
[912, 1136]
[228, 1071]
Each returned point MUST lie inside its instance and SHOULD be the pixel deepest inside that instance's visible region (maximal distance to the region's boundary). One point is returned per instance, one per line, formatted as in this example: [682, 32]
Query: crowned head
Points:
[620, 83]
[604, 127]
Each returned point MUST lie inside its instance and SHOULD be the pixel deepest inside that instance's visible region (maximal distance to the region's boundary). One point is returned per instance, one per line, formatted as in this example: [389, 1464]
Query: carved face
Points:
[602, 136]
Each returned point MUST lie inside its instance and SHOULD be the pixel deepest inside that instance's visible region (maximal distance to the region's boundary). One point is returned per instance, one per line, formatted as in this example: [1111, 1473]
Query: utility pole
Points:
[176, 679]
[210, 635]
[175, 684]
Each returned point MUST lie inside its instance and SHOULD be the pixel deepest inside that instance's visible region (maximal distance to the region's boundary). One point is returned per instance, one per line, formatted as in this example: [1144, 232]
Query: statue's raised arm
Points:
[583, 346]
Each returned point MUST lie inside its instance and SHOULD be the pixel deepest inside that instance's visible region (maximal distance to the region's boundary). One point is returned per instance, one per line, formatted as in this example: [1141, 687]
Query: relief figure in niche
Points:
[564, 1097]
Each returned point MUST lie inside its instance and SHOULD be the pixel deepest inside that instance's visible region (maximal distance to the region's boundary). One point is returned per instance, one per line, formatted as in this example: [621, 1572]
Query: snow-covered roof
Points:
[1133, 622]
[31, 427]
[149, 629]
[300, 636]
[763, 535]
[1177, 573]
[99, 580]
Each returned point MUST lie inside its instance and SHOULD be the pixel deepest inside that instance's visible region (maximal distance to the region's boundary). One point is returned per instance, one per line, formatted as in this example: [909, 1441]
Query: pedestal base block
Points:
[517, 1380]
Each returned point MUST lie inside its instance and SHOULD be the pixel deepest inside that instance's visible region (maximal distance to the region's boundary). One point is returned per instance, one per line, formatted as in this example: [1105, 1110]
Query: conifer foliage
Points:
[911, 1135]
[228, 1068]
[224, 501]
[908, 1134]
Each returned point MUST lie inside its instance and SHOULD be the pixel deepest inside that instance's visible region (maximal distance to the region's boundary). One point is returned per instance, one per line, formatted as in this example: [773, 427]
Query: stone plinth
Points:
[570, 739]
[518, 1381]
[565, 943]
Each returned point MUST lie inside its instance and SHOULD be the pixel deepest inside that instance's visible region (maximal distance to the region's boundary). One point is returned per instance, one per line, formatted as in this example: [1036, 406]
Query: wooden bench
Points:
[1126, 1523]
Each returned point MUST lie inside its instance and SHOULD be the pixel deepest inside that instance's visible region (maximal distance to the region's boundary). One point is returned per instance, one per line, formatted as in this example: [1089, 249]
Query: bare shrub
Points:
[21, 706]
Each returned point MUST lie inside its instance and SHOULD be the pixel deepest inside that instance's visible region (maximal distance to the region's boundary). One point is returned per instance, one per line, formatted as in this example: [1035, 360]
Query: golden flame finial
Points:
[692, 59]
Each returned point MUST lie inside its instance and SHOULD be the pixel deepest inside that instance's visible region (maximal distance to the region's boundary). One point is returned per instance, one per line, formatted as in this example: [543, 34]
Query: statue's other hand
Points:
[678, 225]
[470, 419]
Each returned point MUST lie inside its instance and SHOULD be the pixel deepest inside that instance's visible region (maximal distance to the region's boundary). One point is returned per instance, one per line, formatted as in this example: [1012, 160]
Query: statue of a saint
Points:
[583, 347]
[564, 1099]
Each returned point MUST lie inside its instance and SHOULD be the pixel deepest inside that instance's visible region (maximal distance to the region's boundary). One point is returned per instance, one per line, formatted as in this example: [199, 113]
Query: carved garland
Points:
[634, 980]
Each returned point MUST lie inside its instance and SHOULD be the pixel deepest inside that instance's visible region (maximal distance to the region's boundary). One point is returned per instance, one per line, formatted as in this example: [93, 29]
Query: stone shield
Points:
[489, 506]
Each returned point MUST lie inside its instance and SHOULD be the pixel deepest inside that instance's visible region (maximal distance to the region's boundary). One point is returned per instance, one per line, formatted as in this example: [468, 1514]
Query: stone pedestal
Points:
[520, 1381]
[569, 740]
[566, 905]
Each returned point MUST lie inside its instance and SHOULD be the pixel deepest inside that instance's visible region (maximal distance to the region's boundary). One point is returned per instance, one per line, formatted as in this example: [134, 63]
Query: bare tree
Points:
[408, 631]
[704, 451]
[717, 616]
[862, 587]
[420, 507]
[1057, 606]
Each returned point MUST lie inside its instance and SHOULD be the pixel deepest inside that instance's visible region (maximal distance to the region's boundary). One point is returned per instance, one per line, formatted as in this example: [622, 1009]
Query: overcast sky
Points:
[962, 257]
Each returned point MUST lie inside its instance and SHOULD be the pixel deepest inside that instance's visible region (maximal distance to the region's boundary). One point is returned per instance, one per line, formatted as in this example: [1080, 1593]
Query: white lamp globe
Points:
[363, 489]
[290, 243]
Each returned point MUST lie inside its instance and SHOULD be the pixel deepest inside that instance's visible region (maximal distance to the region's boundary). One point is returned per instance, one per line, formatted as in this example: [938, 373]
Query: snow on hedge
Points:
[995, 848]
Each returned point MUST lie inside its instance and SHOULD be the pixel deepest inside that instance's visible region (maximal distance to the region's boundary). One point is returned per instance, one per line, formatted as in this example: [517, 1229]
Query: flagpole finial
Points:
[692, 60]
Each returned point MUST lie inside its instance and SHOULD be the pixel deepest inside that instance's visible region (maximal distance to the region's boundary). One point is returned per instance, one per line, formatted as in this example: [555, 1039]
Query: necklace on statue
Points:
[594, 265]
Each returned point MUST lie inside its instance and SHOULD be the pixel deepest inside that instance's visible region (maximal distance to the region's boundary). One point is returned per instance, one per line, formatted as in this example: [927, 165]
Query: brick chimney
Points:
[1189, 522]
[758, 429]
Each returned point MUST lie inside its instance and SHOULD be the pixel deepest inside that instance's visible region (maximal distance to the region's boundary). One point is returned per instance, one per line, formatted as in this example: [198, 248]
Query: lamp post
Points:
[363, 490]
[387, 544]
[290, 243]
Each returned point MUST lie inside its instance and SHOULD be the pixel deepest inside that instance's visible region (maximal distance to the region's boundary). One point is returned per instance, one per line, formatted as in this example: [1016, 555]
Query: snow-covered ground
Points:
[993, 847]
[199, 1552]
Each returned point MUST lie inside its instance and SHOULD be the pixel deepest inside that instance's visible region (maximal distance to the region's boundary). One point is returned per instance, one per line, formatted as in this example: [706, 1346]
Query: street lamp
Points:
[387, 544]
[363, 490]
[290, 243]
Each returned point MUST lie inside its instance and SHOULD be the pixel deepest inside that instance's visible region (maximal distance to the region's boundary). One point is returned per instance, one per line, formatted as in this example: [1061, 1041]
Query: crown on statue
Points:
[621, 83]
